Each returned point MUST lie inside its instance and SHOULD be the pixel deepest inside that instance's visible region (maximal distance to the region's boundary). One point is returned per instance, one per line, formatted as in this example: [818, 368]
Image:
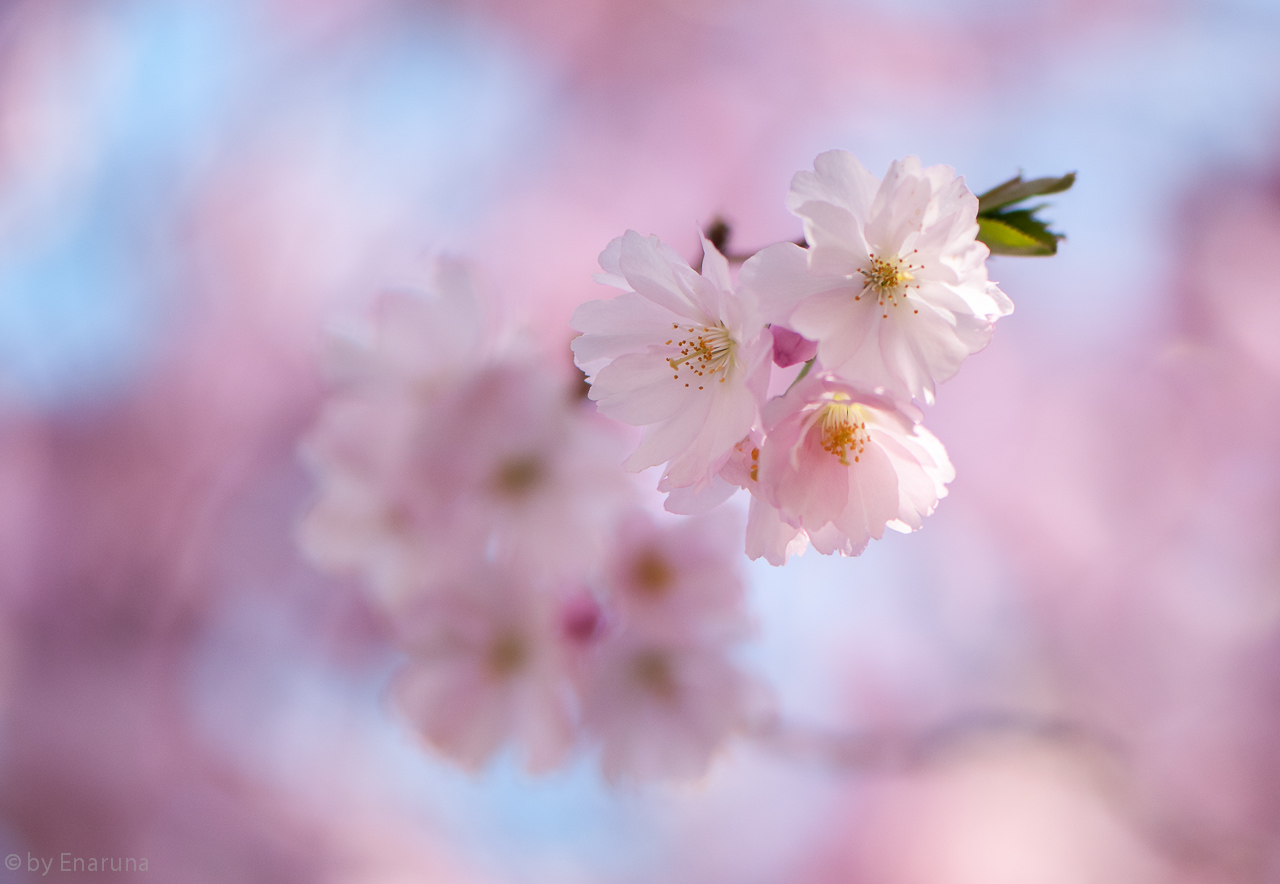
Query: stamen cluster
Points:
[702, 353]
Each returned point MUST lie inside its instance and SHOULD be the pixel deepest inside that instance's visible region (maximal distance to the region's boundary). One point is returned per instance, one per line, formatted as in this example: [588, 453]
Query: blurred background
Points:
[1080, 652]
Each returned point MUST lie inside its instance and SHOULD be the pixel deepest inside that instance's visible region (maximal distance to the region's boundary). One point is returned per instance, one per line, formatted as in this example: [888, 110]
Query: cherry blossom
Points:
[662, 706]
[439, 449]
[677, 580]
[893, 286]
[660, 692]
[679, 353]
[486, 668]
[501, 466]
[843, 464]
[424, 335]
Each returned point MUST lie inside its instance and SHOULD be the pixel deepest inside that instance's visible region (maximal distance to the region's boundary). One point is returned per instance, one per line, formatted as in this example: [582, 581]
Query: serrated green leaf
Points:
[1003, 238]
[1015, 190]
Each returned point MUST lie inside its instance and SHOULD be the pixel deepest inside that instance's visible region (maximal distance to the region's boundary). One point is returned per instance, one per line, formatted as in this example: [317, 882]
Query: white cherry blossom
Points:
[680, 353]
[893, 286]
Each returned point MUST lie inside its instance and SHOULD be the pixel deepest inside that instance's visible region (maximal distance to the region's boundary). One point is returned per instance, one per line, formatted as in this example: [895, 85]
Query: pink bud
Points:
[790, 348]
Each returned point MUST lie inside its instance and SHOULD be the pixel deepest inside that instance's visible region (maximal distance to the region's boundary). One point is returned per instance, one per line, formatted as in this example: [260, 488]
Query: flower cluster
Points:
[481, 503]
[886, 300]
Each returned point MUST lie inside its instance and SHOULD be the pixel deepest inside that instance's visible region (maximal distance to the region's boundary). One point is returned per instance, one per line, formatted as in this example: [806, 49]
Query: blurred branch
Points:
[718, 233]
[1185, 842]
[898, 752]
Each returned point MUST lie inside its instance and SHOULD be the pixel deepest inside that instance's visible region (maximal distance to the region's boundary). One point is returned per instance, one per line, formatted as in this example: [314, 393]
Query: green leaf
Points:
[1015, 190]
[1017, 233]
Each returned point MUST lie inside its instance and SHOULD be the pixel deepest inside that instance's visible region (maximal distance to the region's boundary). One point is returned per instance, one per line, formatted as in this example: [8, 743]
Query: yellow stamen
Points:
[702, 352]
[888, 279]
[507, 655]
[844, 430]
[517, 476]
[653, 574]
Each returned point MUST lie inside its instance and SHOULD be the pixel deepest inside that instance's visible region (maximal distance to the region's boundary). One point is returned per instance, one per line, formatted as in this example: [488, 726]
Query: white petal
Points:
[627, 323]
[663, 441]
[776, 278]
[692, 501]
[638, 389]
[650, 267]
[838, 178]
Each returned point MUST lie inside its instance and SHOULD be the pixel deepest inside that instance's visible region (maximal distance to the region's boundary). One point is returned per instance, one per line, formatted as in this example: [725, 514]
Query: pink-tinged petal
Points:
[887, 471]
[770, 537]
[639, 389]
[651, 268]
[924, 348]
[917, 493]
[790, 347]
[873, 497]
[731, 415]
[830, 540]
[812, 491]
[692, 501]
[755, 362]
[1003, 305]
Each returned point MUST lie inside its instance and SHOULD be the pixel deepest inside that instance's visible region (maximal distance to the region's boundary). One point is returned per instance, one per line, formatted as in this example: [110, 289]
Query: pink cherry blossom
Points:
[485, 668]
[659, 690]
[893, 286]
[843, 464]
[679, 353]
[501, 467]
[438, 449]
[678, 580]
[662, 706]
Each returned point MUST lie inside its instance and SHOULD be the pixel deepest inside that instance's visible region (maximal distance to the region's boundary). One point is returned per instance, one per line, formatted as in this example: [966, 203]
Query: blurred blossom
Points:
[436, 453]
[187, 193]
[485, 668]
[663, 706]
[680, 579]
[661, 692]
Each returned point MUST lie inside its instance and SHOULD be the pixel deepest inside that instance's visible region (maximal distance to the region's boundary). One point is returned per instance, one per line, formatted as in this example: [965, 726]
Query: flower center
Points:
[517, 476]
[652, 574]
[888, 280]
[703, 352]
[844, 430]
[651, 669]
[507, 655]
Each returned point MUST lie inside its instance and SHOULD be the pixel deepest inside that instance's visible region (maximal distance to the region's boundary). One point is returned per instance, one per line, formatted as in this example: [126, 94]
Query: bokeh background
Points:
[1080, 653]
